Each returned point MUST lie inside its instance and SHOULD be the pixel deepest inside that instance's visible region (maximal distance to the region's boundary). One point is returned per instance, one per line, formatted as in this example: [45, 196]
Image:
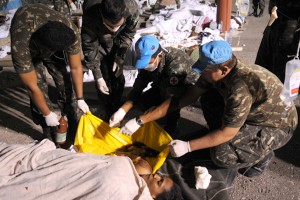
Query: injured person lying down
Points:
[40, 171]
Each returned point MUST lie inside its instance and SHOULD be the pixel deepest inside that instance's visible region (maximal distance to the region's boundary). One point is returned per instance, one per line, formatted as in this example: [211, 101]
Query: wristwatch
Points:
[139, 121]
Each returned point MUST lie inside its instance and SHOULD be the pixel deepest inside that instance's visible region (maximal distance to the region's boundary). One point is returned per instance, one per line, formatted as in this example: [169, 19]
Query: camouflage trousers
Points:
[251, 144]
[63, 94]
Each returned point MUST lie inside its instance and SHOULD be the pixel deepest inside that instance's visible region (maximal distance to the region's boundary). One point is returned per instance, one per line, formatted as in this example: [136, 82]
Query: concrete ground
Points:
[280, 181]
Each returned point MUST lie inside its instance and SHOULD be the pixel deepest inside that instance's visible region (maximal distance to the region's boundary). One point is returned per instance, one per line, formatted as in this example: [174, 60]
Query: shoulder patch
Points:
[173, 80]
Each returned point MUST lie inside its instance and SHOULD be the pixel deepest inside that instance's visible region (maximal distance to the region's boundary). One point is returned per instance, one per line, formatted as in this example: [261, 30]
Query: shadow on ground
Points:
[14, 106]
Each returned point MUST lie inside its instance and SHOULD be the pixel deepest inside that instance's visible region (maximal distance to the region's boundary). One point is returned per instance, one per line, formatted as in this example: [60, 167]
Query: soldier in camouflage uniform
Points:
[169, 70]
[242, 107]
[34, 45]
[108, 27]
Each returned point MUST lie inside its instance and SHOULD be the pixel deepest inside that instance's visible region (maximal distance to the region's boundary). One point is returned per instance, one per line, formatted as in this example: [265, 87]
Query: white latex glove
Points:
[178, 148]
[117, 117]
[117, 69]
[102, 86]
[82, 105]
[130, 127]
[202, 177]
[52, 119]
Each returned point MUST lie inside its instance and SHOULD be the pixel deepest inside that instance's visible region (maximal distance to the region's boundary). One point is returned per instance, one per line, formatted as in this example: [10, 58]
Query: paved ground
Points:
[281, 180]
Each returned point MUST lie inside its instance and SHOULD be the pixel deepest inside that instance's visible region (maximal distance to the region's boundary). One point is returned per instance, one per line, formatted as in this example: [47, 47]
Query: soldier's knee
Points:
[224, 159]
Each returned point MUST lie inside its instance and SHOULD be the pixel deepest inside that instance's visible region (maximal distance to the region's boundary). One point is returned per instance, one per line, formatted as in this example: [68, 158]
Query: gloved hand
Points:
[117, 69]
[130, 127]
[117, 117]
[102, 86]
[82, 105]
[178, 148]
[51, 119]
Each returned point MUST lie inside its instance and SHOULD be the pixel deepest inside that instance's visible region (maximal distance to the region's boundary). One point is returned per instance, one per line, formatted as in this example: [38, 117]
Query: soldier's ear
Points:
[225, 70]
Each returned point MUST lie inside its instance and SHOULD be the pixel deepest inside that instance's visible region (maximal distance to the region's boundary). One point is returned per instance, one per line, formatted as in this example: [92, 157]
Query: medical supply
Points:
[202, 177]
[61, 133]
[291, 81]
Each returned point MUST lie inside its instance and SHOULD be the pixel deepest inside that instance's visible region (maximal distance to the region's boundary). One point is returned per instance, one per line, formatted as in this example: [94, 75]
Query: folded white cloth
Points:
[202, 177]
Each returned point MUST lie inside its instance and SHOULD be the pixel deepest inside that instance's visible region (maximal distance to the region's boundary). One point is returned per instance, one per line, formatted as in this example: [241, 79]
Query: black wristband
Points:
[79, 98]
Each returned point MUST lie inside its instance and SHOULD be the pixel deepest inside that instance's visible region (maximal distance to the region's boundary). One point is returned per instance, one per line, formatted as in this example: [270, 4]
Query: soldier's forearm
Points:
[77, 74]
[157, 113]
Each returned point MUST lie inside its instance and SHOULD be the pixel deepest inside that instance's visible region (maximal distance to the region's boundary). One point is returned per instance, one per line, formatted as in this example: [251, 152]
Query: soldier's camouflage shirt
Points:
[98, 41]
[251, 96]
[173, 75]
[24, 47]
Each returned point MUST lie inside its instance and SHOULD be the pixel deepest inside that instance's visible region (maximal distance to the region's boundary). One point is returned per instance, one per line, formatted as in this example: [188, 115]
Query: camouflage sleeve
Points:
[127, 34]
[20, 52]
[139, 85]
[181, 67]
[90, 46]
[237, 106]
[192, 77]
[76, 47]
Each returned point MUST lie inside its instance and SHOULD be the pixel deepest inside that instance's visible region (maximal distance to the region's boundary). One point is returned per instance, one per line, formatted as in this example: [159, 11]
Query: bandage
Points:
[202, 177]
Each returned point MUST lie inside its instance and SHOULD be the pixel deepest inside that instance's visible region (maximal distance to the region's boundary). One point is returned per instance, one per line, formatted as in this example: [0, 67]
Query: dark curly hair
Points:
[55, 35]
[173, 194]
